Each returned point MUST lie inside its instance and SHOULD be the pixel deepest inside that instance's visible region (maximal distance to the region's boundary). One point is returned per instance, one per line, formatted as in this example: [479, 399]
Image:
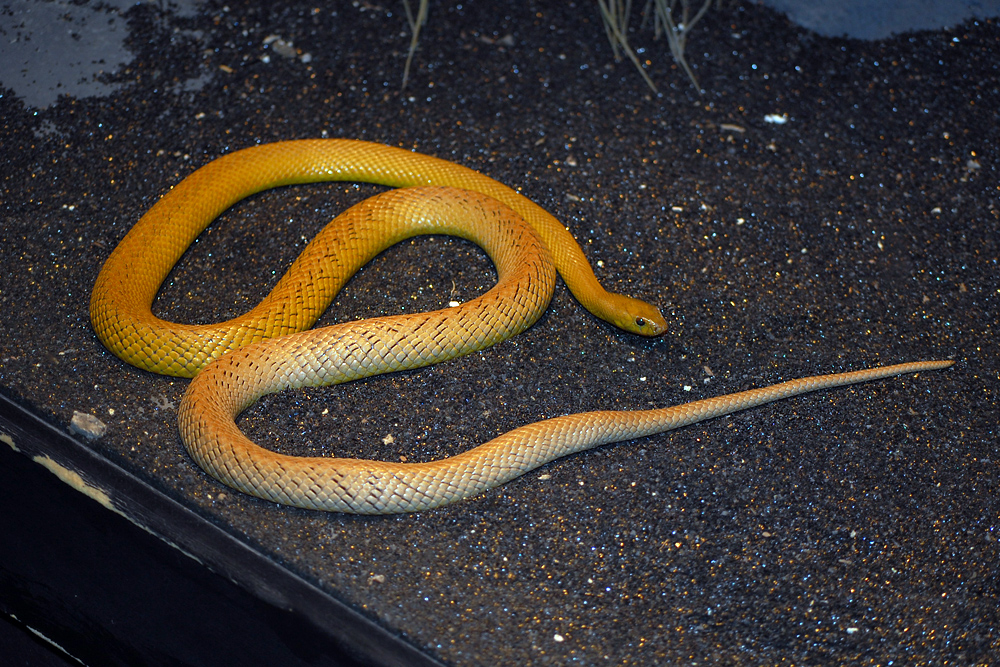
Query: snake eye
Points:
[640, 322]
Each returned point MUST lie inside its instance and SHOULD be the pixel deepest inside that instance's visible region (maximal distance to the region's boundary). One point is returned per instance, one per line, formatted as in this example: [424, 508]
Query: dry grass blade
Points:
[615, 14]
[677, 33]
[416, 22]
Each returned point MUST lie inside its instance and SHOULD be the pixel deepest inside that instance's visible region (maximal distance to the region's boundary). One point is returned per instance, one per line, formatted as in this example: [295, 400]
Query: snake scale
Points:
[272, 347]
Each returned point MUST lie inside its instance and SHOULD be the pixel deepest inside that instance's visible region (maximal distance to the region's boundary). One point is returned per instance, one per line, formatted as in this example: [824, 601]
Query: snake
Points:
[273, 347]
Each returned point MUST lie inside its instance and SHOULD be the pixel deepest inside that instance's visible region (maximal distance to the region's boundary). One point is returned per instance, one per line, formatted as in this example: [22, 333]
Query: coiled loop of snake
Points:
[257, 354]
[132, 275]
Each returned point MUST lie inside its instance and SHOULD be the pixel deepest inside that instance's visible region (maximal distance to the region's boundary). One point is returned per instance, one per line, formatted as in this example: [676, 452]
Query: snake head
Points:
[639, 317]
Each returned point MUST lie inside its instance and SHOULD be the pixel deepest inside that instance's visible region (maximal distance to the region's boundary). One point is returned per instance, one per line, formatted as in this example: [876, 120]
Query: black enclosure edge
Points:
[151, 582]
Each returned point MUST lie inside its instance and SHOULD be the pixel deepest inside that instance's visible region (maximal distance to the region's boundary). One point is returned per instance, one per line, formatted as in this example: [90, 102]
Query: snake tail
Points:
[375, 487]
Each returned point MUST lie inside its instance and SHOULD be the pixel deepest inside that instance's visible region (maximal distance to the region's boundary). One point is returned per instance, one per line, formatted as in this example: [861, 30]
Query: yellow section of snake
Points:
[120, 307]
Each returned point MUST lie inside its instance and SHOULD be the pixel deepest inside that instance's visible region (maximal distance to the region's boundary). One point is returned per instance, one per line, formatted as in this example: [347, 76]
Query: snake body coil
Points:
[271, 348]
